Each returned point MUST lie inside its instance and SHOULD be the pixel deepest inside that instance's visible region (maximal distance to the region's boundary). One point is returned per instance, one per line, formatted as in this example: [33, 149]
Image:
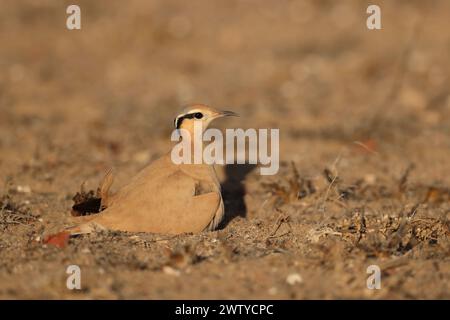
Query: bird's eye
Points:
[198, 115]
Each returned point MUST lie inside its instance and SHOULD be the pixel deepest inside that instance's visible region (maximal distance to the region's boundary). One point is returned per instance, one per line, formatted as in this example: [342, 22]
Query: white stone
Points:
[294, 278]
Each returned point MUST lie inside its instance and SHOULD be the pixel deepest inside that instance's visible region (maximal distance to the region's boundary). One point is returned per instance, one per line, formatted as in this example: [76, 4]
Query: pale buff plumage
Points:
[163, 197]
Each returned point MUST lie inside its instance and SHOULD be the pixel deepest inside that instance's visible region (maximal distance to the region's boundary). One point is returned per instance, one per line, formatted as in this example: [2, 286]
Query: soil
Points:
[364, 125]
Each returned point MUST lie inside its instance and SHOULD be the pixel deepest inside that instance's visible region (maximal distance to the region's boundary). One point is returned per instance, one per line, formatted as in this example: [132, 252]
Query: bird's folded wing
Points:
[167, 204]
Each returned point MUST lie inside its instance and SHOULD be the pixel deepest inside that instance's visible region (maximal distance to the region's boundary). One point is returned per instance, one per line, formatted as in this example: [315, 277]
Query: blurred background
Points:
[75, 102]
[311, 68]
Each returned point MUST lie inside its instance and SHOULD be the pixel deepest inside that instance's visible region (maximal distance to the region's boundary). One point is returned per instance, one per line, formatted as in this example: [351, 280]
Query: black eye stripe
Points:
[179, 120]
[196, 115]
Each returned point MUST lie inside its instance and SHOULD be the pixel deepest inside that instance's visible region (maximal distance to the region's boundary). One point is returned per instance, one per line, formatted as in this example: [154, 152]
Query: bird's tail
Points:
[61, 239]
[84, 228]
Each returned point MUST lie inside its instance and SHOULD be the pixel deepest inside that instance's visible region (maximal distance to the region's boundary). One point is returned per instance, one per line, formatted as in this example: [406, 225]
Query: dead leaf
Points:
[59, 240]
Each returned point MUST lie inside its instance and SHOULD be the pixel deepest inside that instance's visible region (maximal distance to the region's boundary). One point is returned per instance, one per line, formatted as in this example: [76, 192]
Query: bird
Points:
[164, 197]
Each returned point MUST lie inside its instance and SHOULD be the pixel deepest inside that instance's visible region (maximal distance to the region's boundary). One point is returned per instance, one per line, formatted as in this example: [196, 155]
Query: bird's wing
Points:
[158, 169]
[164, 204]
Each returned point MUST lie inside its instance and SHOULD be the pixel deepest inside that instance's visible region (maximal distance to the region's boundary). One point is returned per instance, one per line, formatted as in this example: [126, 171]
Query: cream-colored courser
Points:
[164, 197]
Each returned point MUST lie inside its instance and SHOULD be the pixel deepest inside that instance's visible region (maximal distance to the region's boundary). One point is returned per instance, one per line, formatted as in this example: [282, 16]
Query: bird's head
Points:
[199, 113]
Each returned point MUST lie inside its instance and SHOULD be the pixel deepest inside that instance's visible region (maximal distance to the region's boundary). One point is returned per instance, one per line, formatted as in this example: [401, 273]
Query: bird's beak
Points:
[227, 114]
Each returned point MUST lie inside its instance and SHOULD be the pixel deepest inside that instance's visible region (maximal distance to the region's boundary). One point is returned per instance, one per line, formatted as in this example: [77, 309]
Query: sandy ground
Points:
[364, 137]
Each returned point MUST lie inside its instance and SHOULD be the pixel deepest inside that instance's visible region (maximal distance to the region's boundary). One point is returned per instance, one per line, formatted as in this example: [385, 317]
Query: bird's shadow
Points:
[233, 192]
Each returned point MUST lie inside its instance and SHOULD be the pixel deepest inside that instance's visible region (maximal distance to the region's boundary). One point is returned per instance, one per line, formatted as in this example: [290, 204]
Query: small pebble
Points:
[273, 291]
[171, 271]
[294, 278]
[23, 189]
